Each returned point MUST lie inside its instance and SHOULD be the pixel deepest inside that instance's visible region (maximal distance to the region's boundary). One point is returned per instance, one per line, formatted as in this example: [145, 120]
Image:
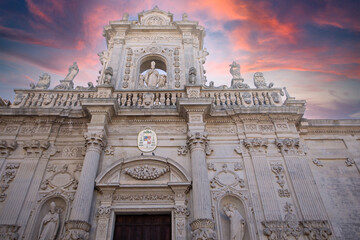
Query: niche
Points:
[153, 72]
[55, 209]
[234, 205]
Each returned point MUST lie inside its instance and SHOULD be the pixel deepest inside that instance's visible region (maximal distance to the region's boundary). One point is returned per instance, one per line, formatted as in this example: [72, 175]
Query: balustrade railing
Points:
[149, 98]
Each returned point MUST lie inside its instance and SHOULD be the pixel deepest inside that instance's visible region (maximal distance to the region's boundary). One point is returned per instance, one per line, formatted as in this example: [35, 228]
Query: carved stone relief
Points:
[317, 162]
[34, 148]
[7, 176]
[61, 176]
[279, 171]
[256, 145]
[226, 178]
[183, 150]
[7, 147]
[9, 232]
[288, 145]
[146, 172]
[142, 197]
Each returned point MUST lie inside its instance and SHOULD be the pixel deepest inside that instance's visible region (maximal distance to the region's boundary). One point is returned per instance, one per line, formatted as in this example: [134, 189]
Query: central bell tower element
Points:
[154, 52]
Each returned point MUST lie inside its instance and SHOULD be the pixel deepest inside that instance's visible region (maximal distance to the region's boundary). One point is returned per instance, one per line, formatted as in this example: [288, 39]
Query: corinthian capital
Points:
[95, 140]
[288, 145]
[256, 145]
[198, 140]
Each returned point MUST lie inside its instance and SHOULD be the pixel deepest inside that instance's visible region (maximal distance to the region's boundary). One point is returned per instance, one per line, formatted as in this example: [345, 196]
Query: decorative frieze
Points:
[256, 145]
[7, 147]
[142, 197]
[146, 172]
[9, 232]
[7, 176]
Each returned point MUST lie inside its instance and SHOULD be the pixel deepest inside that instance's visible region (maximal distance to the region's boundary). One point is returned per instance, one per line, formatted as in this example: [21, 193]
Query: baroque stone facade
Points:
[224, 156]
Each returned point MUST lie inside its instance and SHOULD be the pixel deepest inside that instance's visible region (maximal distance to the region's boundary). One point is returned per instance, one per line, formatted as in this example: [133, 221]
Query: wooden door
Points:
[143, 227]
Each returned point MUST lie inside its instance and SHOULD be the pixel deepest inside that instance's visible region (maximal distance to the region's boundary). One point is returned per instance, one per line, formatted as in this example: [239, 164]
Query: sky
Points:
[311, 47]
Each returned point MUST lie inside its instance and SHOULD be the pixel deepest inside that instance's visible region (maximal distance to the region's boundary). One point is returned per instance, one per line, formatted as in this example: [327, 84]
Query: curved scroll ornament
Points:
[146, 173]
[218, 179]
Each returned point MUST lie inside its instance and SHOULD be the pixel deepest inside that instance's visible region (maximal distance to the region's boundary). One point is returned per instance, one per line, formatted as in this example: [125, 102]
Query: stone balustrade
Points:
[147, 98]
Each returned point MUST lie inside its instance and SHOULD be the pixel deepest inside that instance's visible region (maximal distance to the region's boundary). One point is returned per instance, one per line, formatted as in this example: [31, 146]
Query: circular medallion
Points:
[147, 140]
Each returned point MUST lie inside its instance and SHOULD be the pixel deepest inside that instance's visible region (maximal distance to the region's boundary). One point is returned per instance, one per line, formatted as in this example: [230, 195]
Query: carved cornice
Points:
[9, 232]
[146, 173]
[76, 229]
[95, 140]
[256, 145]
[7, 147]
[288, 145]
[198, 140]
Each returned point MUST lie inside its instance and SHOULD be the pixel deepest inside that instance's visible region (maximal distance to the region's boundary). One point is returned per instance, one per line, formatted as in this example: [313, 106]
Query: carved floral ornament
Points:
[9, 231]
[7, 146]
[36, 146]
[288, 145]
[146, 172]
[7, 176]
[256, 144]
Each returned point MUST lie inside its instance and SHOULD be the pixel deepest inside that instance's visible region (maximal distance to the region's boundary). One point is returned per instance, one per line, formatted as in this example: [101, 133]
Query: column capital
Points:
[198, 140]
[203, 229]
[95, 140]
[289, 146]
[256, 145]
[76, 229]
[7, 147]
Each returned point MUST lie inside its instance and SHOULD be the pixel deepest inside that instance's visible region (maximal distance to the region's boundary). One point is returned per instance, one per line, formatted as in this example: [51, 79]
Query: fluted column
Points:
[203, 225]
[78, 226]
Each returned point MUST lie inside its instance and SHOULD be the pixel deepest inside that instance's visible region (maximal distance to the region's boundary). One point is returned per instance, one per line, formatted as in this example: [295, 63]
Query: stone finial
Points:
[43, 83]
[259, 81]
[185, 17]
[192, 75]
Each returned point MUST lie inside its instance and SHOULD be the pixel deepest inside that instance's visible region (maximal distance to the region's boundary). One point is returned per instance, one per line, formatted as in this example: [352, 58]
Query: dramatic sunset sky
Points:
[312, 47]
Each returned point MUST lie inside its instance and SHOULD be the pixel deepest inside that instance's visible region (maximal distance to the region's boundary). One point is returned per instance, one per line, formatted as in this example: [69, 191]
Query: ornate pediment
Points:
[155, 17]
[143, 170]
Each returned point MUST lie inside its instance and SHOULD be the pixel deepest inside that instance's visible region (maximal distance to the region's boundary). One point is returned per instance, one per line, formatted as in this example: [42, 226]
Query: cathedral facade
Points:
[153, 151]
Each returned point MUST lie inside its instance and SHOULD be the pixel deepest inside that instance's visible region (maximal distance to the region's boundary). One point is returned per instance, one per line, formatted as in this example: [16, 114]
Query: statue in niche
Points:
[49, 224]
[108, 75]
[152, 76]
[237, 222]
[192, 75]
[43, 83]
[259, 81]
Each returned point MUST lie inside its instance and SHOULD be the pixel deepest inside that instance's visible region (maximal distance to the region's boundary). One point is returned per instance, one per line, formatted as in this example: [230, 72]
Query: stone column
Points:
[78, 227]
[203, 225]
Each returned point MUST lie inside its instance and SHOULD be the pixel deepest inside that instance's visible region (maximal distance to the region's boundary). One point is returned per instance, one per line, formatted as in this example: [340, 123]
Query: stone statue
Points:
[185, 17]
[259, 81]
[162, 80]
[192, 75]
[43, 83]
[68, 83]
[49, 224]
[125, 17]
[152, 76]
[237, 222]
[202, 56]
[104, 57]
[73, 71]
[235, 70]
[89, 87]
[108, 75]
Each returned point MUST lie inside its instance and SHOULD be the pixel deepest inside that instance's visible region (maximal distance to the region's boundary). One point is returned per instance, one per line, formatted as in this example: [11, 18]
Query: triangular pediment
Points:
[155, 17]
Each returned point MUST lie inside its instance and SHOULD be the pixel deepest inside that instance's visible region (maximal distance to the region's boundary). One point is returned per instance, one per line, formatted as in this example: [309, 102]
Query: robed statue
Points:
[237, 222]
[49, 224]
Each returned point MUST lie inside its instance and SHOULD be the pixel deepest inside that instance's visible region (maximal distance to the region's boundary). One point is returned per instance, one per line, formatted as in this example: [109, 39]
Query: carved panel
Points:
[146, 172]
[279, 171]
[7, 176]
[226, 178]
